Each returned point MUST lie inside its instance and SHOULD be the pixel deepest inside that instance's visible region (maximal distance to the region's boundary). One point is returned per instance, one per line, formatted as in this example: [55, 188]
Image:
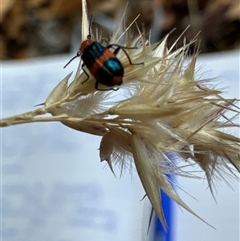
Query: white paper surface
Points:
[54, 187]
[53, 184]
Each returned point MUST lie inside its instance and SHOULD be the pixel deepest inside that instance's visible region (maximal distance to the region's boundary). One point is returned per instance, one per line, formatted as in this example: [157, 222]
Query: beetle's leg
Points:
[116, 50]
[104, 40]
[96, 87]
[85, 73]
[123, 49]
[120, 46]
[129, 59]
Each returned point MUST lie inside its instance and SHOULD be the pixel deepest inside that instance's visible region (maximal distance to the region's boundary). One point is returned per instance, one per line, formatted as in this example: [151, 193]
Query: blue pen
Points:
[159, 234]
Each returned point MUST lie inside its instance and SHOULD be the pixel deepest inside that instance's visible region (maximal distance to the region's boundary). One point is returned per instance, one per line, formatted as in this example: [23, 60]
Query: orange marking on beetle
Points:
[117, 80]
[98, 63]
[85, 43]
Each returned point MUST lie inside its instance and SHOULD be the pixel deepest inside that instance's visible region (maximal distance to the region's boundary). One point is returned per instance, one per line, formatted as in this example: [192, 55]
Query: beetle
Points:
[102, 63]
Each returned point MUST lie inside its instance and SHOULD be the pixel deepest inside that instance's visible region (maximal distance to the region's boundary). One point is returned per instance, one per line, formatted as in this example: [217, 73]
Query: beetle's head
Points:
[85, 43]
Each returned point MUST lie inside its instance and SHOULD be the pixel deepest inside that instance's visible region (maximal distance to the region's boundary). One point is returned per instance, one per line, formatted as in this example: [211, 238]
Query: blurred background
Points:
[32, 28]
[53, 186]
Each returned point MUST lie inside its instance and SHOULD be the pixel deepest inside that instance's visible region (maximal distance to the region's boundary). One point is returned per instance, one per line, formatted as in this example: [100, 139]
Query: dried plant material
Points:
[159, 109]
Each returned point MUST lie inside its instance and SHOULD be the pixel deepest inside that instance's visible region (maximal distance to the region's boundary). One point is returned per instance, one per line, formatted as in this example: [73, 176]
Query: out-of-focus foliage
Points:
[43, 27]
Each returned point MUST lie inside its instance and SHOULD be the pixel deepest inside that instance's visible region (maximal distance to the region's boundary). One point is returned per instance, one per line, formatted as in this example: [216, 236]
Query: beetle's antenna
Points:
[71, 60]
[90, 24]
[89, 36]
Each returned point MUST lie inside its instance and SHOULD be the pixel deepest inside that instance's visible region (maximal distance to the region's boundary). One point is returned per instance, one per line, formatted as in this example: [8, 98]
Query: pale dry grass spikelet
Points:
[160, 108]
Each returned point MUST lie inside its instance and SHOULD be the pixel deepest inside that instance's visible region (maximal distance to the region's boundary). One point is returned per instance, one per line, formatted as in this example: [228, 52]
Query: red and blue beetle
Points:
[103, 64]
